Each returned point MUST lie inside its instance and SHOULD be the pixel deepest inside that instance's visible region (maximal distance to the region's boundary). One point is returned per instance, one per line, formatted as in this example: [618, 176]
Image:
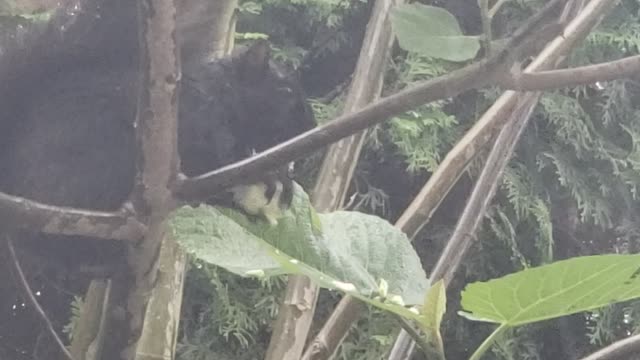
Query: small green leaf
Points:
[435, 305]
[432, 31]
[550, 291]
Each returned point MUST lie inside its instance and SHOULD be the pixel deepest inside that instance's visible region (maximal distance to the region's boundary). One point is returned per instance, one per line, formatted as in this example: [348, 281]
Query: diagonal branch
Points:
[475, 208]
[453, 165]
[122, 226]
[623, 349]
[23, 213]
[419, 212]
[583, 75]
[329, 192]
[32, 299]
[484, 189]
[471, 77]
[483, 73]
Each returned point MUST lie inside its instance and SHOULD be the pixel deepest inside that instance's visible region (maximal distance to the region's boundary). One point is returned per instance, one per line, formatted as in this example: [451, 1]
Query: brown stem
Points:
[21, 213]
[157, 128]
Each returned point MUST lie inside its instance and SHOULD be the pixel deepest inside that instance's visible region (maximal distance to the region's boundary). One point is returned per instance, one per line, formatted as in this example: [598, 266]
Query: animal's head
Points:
[272, 104]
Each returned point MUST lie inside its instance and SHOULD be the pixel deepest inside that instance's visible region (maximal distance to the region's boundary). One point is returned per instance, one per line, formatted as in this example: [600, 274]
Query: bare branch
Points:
[583, 75]
[89, 330]
[349, 309]
[483, 191]
[453, 165]
[32, 299]
[336, 175]
[23, 213]
[477, 75]
[305, 144]
[157, 129]
[419, 212]
[622, 349]
[335, 329]
[160, 332]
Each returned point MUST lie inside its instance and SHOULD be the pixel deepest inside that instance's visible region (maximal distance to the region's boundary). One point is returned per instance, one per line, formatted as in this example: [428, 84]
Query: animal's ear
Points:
[253, 63]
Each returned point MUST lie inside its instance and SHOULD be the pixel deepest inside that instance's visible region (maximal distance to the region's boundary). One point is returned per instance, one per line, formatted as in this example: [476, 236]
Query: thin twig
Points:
[32, 299]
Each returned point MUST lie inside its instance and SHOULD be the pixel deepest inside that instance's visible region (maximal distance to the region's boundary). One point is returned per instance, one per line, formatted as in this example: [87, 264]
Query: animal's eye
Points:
[285, 89]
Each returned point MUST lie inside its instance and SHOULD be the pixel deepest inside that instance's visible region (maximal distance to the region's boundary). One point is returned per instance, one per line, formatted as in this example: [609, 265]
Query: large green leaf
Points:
[356, 249]
[210, 235]
[432, 31]
[369, 250]
[550, 291]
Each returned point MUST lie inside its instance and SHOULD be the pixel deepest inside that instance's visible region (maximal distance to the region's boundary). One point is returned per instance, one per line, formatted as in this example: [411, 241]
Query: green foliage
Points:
[517, 344]
[301, 29]
[76, 311]
[551, 291]
[359, 254]
[559, 289]
[432, 31]
[370, 337]
[23, 11]
[434, 308]
[571, 189]
[422, 136]
[226, 316]
[579, 151]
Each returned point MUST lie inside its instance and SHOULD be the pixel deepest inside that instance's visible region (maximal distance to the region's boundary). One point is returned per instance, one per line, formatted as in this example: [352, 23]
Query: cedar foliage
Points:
[570, 190]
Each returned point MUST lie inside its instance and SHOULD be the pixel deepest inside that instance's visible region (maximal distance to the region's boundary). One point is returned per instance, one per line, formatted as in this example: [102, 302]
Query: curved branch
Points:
[23, 213]
[617, 350]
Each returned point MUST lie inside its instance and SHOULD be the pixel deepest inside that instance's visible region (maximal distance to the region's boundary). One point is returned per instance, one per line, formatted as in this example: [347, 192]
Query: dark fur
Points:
[68, 94]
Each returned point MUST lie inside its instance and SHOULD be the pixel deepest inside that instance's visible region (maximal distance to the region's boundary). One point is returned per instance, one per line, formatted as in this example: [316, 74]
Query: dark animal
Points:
[68, 96]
